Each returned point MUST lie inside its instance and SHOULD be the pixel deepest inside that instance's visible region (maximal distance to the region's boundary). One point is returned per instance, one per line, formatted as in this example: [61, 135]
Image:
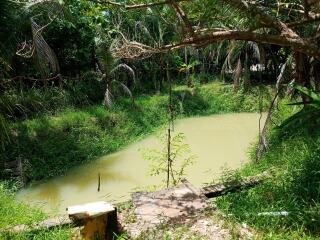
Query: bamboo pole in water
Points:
[99, 182]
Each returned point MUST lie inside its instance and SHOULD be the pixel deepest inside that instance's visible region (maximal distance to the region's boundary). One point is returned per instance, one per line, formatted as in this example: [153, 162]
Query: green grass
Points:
[294, 156]
[13, 213]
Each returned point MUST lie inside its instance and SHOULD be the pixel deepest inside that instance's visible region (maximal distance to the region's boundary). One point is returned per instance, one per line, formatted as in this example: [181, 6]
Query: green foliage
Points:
[311, 108]
[23, 103]
[55, 234]
[88, 90]
[188, 67]
[4, 135]
[72, 35]
[180, 158]
[11, 19]
[13, 213]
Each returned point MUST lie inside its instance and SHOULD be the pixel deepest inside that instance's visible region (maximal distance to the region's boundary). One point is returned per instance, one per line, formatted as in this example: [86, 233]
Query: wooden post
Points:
[95, 218]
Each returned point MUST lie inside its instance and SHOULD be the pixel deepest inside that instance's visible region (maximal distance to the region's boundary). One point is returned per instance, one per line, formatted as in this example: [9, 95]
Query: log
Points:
[232, 186]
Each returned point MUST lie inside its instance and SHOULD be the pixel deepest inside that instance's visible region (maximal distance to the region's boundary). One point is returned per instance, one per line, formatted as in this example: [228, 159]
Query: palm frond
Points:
[125, 88]
[45, 56]
[124, 67]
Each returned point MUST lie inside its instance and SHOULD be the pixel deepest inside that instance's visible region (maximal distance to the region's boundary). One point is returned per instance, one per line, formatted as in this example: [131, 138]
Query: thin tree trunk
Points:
[262, 146]
[246, 79]
[170, 123]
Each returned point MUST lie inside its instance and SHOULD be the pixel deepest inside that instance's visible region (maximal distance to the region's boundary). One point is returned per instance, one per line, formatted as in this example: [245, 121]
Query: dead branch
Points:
[125, 49]
[203, 37]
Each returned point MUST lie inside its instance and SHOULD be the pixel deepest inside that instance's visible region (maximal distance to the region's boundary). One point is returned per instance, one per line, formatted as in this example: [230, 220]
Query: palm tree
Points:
[109, 67]
[240, 56]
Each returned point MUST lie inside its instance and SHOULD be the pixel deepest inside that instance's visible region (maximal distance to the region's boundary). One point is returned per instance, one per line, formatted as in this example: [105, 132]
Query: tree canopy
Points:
[200, 23]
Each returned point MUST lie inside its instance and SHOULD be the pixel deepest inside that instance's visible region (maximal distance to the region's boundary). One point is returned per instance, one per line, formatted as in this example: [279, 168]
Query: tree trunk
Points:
[302, 73]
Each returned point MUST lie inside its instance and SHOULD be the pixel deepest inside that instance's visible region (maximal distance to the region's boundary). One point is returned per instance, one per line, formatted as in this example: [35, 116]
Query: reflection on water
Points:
[219, 142]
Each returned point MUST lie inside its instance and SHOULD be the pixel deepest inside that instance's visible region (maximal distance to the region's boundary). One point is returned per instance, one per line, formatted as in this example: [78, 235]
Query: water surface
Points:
[219, 142]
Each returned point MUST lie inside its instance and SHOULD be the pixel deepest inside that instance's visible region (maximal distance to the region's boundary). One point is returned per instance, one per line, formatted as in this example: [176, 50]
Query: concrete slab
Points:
[174, 203]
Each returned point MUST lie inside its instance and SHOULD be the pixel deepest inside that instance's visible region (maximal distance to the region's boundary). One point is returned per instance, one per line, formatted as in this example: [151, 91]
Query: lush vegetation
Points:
[83, 78]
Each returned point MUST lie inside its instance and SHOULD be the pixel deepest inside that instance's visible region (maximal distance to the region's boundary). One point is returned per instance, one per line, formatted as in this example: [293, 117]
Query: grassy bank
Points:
[50, 144]
[13, 213]
[294, 156]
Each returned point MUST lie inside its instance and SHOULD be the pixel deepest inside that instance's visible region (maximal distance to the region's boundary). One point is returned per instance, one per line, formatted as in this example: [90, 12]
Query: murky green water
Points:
[219, 142]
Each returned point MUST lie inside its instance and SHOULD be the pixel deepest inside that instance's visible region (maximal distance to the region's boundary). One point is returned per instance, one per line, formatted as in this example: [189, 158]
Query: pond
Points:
[219, 142]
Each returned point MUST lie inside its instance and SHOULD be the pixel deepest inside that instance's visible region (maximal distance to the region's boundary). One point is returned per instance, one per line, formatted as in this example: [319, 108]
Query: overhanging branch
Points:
[298, 44]
[137, 6]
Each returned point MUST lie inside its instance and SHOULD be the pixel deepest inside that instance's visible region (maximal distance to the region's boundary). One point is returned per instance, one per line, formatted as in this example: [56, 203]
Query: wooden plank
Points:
[223, 188]
[194, 189]
[46, 224]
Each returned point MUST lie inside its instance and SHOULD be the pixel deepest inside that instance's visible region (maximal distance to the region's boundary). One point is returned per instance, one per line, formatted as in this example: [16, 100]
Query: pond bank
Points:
[219, 142]
[52, 145]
